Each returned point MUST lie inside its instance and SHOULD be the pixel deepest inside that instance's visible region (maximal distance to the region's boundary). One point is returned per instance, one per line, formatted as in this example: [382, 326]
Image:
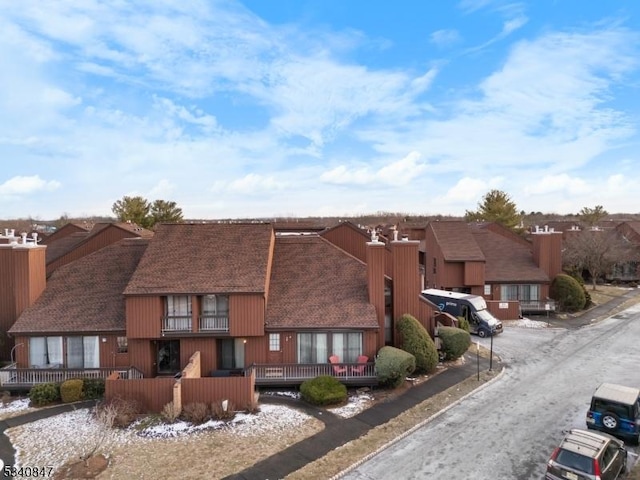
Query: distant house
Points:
[214, 309]
[487, 259]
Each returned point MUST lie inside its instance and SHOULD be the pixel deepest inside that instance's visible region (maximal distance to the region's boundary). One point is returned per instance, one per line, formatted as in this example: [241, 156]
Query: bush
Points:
[125, 410]
[393, 365]
[170, 412]
[323, 390]
[463, 323]
[568, 293]
[93, 388]
[223, 410]
[44, 394]
[454, 342]
[417, 342]
[71, 390]
[196, 413]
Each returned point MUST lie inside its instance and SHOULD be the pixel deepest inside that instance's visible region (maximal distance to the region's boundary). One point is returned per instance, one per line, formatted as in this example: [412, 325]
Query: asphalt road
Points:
[508, 430]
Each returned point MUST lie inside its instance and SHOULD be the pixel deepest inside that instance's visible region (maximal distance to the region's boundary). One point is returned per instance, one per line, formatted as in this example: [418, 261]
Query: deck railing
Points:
[537, 306]
[296, 373]
[11, 376]
[176, 323]
[214, 323]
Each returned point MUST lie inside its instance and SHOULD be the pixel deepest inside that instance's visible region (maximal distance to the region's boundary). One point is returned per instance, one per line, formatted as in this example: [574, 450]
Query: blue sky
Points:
[297, 108]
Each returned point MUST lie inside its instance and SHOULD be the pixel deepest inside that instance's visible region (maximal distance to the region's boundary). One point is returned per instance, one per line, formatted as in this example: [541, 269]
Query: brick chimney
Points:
[22, 268]
[375, 258]
[547, 250]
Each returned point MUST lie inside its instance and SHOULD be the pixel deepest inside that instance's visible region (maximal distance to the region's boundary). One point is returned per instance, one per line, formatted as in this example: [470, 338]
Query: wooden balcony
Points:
[12, 378]
[284, 374]
[206, 324]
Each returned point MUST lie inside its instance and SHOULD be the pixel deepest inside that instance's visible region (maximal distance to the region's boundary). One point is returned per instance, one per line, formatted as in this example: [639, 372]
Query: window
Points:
[487, 289]
[168, 357]
[83, 352]
[315, 347]
[312, 348]
[178, 306]
[230, 353]
[215, 305]
[520, 292]
[347, 346]
[274, 342]
[123, 344]
[45, 351]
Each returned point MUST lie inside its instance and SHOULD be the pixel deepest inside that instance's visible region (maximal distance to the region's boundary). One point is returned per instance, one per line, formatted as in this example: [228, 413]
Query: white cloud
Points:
[558, 183]
[445, 38]
[398, 173]
[161, 190]
[251, 184]
[21, 185]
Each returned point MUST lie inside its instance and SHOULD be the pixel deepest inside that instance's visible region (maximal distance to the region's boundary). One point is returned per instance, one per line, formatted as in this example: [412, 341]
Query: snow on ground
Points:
[54, 441]
[357, 402]
[525, 322]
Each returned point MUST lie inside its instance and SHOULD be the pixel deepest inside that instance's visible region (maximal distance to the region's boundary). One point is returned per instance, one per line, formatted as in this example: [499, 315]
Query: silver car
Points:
[587, 455]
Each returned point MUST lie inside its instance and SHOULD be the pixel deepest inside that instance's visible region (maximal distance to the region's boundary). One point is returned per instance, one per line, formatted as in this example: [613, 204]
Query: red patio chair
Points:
[362, 364]
[337, 369]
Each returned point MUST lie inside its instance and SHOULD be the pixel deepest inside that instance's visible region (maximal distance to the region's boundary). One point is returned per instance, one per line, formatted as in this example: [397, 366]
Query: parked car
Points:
[615, 409]
[587, 455]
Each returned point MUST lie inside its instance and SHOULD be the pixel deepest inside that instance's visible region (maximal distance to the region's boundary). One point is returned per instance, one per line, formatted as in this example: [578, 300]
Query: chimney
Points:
[406, 278]
[547, 251]
[24, 280]
[375, 257]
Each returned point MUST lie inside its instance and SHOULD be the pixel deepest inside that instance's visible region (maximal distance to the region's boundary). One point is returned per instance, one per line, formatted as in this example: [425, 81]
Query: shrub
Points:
[170, 412]
[463, 323]
[454, 341]
[196, 413]
[568, 293]
[44, 394]
[71, 390]
[323, 390]
[417, 342]
[223, 410]
[93, 388]
[126, 410]
[393, 365]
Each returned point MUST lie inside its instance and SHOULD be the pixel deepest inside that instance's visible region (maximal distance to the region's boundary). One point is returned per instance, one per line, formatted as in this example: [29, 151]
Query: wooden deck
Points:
[19, 379]
[287, 374]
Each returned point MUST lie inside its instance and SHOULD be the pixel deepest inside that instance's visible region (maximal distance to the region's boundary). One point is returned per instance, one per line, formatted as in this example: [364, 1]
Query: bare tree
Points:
[596, 251]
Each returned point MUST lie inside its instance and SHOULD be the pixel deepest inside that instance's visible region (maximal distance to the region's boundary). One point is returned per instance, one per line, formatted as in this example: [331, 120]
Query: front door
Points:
[168, 357]
[230, 353]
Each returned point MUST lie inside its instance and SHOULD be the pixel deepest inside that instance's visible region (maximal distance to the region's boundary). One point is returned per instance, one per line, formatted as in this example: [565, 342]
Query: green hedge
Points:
[417, 341]
[568, 293]
[44, 394]
[454, 342]
[323, 390]
[393, 365]
[71, 390]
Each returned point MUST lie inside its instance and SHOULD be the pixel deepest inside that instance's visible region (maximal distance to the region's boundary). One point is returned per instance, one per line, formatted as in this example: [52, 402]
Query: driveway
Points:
[509, 429]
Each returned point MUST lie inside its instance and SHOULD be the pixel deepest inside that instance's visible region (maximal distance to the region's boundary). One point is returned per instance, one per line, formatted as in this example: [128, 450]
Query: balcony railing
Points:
[26, 377]
[296, 373]
[537, 306]
[176, 323]
[214, 323]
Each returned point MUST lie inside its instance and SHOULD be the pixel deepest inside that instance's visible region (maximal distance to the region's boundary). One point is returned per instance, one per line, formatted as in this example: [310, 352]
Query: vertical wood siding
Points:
[238, 390]
[349, 239]
[207, 348]
[406, 278]
[144, 316]
[473, 274]
[510, 313]
[142, 355]
[246, 315]
[152, 393]
[109, 356]
[375, 281]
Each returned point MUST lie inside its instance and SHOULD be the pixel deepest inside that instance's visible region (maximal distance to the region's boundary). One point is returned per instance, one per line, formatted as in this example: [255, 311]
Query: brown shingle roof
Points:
[196, 258]
[85, 295]
[64, 245]
[507, 260]
[456, 241]
[315, 284]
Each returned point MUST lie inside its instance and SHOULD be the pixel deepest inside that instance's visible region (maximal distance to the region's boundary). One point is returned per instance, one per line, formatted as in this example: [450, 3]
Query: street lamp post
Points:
[478, 357]
[13, 350]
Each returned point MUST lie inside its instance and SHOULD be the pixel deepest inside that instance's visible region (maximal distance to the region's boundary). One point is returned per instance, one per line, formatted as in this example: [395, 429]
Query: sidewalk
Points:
[338, 431]
[592, 315]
